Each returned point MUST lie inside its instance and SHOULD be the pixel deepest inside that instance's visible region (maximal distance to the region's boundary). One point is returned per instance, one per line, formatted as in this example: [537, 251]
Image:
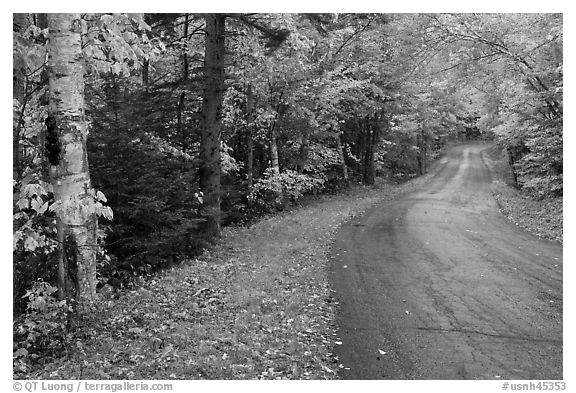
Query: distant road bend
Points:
[438, 285]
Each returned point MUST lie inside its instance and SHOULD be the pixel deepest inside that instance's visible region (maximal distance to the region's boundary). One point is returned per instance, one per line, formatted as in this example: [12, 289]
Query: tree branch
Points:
[348, 40]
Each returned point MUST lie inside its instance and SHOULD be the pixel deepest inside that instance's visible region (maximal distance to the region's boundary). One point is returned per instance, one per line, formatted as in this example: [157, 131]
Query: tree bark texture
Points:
[369, 129]
[146, 62]
[145, 72]
[304, 150]
[515, 154]
[369, 170]
[185, 65]
[249, 136]
[274, 161]
[370, 135]
[20, 22]
[273, 148]
[179, 121]
[422, 153]
[67, 130]
[210, 169]
[342, 158]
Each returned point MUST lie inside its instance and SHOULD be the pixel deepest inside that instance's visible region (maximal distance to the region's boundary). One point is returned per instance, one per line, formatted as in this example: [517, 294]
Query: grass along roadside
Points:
[257, 306]
[542, 218]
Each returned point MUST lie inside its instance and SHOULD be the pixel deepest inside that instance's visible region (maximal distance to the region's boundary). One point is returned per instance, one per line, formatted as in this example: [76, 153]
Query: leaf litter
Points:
[257, 306]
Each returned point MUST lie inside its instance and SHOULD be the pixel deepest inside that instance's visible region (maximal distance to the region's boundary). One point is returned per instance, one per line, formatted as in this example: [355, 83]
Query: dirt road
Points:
[438, 285]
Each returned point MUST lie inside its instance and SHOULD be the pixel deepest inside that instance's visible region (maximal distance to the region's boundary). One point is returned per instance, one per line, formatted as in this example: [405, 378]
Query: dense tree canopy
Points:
[203, 120]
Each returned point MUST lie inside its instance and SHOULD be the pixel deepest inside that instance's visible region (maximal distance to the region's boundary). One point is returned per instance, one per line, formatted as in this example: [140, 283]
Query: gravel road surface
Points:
[438, 285]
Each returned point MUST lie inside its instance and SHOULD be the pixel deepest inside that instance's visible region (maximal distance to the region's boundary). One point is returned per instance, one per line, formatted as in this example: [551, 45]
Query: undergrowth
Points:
[543, 218]
[257, 306]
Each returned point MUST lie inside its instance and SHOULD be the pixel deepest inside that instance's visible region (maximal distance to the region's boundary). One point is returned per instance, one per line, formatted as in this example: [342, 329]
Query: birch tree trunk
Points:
[211, 113]
[67, 130]
[273, 149]
[274, 162]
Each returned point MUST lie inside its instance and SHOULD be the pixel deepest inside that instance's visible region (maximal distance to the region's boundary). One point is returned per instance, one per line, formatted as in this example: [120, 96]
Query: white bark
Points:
[69, 176]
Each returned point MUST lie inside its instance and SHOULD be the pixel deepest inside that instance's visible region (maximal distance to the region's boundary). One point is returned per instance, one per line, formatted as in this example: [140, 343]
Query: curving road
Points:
[438, 285]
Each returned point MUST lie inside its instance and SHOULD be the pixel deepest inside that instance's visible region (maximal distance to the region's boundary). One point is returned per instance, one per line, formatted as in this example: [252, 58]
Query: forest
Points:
[138, 138]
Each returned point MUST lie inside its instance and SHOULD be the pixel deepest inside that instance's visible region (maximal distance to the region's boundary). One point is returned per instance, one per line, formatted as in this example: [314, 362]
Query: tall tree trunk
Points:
[304, 150]
[67, 130]
[22, 98]
[422, 154]
[211, 115]
[145, 72]
[419, 154]
[184, 49]
[361, 146]
[425, 153]
[369, 172]
[20, 23]
[373, 130]
[341, 155]
[374, 145]
[511, 162]
[274, 162]
[179, 122]
[249, 136]
[367, 152]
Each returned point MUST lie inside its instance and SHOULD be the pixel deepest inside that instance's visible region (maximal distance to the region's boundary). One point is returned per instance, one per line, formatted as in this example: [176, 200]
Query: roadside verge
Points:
[257, 306]
[542, 218]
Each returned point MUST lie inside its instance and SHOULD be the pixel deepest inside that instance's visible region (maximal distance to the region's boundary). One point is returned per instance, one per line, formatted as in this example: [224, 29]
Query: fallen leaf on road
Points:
[328, 369]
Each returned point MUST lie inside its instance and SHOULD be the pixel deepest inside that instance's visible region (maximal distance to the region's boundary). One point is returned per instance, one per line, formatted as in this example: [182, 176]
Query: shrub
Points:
[34, 237]
[274, 190]
[41, 333]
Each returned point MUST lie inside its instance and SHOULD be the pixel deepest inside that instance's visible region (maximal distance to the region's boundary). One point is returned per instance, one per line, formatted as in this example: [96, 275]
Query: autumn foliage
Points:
[184, 132]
